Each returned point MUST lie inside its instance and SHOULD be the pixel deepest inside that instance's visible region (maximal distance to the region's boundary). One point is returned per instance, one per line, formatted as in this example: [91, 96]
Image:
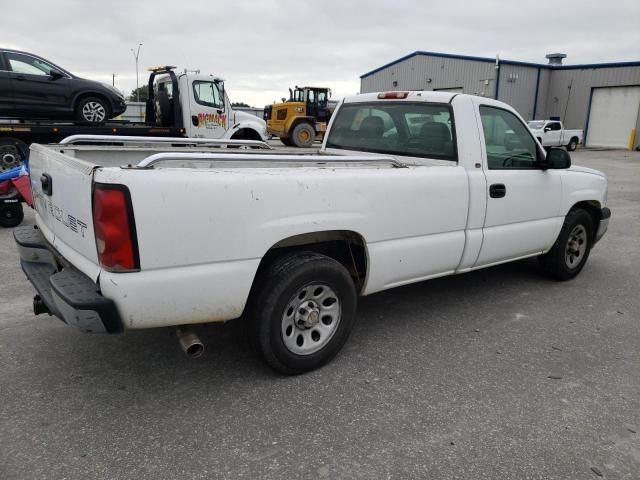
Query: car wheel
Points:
[301, 311]
[11, 215]
[569, 254]
[573, 144]
[92, 110]
[303, 135]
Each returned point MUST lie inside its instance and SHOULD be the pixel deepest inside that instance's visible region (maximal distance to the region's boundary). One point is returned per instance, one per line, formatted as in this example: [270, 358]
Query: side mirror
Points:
[557, 159]
[55, 75]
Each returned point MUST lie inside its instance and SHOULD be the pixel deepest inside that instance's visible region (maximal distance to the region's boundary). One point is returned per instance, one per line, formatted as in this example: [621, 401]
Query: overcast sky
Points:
[262, 47]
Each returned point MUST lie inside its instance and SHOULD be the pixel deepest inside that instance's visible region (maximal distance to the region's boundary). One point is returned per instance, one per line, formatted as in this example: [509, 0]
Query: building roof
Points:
[503, 62]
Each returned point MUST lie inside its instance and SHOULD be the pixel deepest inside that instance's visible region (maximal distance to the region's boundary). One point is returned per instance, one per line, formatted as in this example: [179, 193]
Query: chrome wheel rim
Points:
[94, 112]
[576, 246]
[310, 319]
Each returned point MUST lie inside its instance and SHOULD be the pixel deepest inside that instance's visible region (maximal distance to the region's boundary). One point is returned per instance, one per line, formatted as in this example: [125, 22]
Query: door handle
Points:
[194, 120]
[47, 184]
[20, 77]
[497, 190]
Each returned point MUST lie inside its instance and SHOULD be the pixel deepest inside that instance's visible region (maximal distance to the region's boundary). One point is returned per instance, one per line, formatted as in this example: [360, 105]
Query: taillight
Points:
[392, 95]
[114, 228]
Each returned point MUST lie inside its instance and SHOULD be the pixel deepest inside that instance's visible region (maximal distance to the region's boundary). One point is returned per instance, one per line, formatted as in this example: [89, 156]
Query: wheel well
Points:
[575, 138]
[246, 134]
[80, 97]
[344, 246]
[593, 208]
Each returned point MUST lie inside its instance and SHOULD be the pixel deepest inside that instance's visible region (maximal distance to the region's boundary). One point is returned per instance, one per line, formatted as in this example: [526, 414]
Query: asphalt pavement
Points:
[498, 374]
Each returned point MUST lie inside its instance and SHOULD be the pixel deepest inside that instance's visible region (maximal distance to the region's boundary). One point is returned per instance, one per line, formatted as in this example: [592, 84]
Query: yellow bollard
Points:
[632, 138]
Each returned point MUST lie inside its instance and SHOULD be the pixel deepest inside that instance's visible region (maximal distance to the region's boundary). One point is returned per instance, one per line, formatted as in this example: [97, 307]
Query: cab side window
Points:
[553, 127]
[509, 143]
[207, 94]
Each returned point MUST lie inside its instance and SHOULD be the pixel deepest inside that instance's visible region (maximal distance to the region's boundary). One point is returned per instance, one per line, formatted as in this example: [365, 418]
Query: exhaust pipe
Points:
[39, 307]
[189, 342]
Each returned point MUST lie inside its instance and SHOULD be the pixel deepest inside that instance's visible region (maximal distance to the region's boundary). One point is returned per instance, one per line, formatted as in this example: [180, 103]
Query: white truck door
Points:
[523, 204]
[553, 130]
[209, 117]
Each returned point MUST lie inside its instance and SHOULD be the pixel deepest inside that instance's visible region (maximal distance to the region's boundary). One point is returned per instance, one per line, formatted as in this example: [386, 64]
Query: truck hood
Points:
[578, 168]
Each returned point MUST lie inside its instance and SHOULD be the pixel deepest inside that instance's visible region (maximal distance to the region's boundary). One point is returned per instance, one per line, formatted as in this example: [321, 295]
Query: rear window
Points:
[401, 128]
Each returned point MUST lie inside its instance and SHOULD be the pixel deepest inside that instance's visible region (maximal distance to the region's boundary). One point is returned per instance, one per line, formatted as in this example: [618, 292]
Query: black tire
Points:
[303, 135]
[573, 144]
[97, 105]
[287, 141]
[11, 215]
[276, 287]
[556, 262]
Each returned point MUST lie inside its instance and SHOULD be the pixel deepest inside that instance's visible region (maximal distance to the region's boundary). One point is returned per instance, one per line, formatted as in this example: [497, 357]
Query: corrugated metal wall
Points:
[518, 88]
[432, 73]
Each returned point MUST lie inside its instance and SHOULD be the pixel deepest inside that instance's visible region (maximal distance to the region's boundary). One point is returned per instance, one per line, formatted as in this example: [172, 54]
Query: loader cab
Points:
[316, 101]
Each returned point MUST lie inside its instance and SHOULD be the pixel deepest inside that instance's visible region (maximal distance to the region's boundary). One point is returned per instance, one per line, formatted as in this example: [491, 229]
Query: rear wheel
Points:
[573, 144]
[301, 311]
[11, 215]
[303, 135]
[92, 110]
[569, 254]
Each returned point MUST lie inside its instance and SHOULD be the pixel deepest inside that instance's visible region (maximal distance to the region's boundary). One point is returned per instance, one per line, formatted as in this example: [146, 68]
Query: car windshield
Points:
[536, 124]
[415, 129]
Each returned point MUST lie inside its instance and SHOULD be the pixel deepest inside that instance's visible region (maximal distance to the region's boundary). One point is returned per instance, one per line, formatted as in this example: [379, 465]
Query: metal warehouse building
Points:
[602, 99]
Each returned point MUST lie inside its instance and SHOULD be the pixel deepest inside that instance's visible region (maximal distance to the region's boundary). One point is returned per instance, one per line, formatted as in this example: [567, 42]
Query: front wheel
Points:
[569, 254]
[303, 135]
[301, 311]
[92, 110]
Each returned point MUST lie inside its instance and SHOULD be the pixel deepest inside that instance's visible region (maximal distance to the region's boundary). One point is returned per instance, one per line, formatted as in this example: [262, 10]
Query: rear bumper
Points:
[66, 292]
[603, 225]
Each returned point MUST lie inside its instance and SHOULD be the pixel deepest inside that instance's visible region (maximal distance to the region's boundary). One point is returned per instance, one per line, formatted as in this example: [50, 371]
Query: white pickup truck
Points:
[551, 133]
[407, 186]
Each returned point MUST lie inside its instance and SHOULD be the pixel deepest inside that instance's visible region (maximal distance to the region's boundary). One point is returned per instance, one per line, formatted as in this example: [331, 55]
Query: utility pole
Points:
[136, 53]
[113, 79]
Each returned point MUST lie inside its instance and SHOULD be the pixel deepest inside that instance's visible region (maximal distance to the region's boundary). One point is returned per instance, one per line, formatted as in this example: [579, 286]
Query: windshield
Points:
[535, 124]
[400, 128]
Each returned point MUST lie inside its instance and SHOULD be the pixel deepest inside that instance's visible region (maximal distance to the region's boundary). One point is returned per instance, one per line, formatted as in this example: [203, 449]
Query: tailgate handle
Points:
[47, 184]
[497, 190]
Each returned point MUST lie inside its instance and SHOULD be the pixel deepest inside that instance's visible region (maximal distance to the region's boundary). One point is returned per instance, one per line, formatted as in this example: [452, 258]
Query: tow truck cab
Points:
[199, 104]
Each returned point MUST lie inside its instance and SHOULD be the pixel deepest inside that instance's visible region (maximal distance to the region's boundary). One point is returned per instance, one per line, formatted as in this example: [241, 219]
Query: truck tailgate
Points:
[62, 191]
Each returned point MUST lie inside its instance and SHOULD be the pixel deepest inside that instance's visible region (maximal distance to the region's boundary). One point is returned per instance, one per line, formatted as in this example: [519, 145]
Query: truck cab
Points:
[199, 104]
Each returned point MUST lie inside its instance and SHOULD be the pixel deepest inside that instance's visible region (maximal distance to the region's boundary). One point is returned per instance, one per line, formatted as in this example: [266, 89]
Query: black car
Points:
[33, 88]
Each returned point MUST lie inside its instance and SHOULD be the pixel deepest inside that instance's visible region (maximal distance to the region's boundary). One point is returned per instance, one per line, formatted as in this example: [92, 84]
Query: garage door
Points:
[614, 112]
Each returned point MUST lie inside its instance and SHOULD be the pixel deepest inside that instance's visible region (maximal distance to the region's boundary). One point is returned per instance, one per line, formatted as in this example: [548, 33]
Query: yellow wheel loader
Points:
[301, 119]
